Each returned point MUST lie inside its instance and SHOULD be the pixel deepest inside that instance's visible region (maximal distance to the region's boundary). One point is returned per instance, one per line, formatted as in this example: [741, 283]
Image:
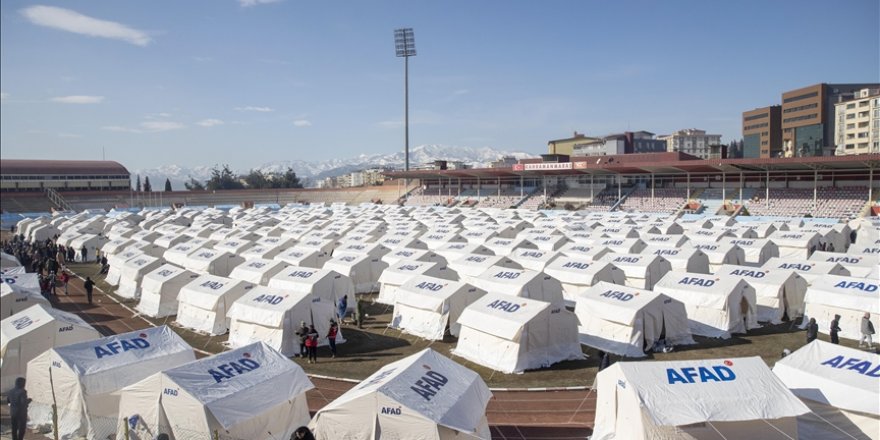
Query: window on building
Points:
[851, 105]
[800, 97]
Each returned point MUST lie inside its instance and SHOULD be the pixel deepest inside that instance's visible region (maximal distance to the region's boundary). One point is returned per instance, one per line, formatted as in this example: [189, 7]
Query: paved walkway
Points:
[512, 415]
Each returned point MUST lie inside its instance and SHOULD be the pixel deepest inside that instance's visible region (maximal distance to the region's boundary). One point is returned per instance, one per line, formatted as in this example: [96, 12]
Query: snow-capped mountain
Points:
[314, 171]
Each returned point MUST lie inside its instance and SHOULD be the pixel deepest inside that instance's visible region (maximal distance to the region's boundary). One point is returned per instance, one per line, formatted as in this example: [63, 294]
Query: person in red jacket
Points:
[312, 344]
[65, 278]
[331, 338]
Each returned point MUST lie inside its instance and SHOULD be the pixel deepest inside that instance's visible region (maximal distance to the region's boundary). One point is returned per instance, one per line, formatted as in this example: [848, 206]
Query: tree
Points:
[138, 186]
[147, 186]
[167, 185]
[257, 179]
[223, 178]
[193, 185]
[289, 179]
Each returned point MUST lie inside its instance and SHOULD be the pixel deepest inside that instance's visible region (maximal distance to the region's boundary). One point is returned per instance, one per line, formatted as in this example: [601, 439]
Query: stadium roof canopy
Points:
[61, 167]
[653, 163]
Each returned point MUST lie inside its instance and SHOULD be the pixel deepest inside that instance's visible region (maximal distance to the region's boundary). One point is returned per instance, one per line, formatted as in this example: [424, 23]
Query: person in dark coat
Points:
[812, 330]
[85, 254]
[18, 402]
[604, 360]
[302, 433]
[342, 307]
[835, 327]
[89, 285]
[312, 344]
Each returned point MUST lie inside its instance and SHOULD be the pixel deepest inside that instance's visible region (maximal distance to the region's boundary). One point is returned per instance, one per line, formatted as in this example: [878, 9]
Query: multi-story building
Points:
[857, 123]
[566, 146]
[808, 118]
[691, 141]
[620, 143]
[762, 132]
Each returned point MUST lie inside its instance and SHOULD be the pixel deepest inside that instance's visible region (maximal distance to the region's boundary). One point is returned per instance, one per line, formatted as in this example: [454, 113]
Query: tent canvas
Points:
[424, 396]
[533, 259]
[848, 297]
[426, 306]
[305, 258]
[623, 320]
[796, 245]
[642, 271]
[684, 259]
[364, 270]
[88, 375]
[264, 251]
[702, 399]
[91, 242]
[621, 245]
[673, 241]
[412, 254]
[177, 254]
[779, 293]
[212, 262]
[252, 392]
[513, 334]
[522, 283]
[258, 271]
[159, 290]
[132, 273]
[576, 275]
[586, 251]
[324, 285]
[839, 384]
[720, 253]
[857, 265]
[401, 272]
[506, 246]
[469, 267]
[18, 292]
[359, 248]
[756, 251]
[809, 270]
[454, 250]
[273, 316]
[203, 303]
[30, 332]
[716, 305]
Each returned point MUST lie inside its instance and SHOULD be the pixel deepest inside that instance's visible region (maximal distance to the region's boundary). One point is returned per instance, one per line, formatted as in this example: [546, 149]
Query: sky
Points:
[249, 82]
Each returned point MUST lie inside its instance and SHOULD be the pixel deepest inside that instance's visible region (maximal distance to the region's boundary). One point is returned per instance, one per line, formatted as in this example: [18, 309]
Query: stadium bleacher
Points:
[833, 202]
[665, 200]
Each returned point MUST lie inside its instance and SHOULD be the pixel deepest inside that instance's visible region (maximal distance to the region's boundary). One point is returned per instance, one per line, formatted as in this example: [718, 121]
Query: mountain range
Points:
[313, 171]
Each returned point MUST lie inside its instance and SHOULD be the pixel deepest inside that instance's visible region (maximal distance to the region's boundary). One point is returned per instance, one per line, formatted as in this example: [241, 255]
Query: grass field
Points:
[369, 348]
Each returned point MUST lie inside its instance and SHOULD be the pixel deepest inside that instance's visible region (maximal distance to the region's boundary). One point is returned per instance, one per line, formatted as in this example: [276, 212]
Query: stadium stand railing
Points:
[831, 202]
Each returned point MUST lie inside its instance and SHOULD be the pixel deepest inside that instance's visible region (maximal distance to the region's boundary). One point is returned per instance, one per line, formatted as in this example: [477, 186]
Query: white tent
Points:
[584, 251]
[204, 302]
[359, 248]
[621, 245]
[159, 290]
[756, 251]
[737, 398]
[506, 246]
[455, 250]
[577, 274]
[857, 265]
[304, 258]
[133, 272]
[88, 375]
[212, 262]
[42, 233]
[264, 251]
[548, 242]
[252, 392]
[401, 272]
[469, 267]
[394, 242]
[423, 396]
[848, 297]
[686, 259]
[796, 245]
[436, 239]
[27, 334]
[513, 334]
[114, 246]
[117, 262]
[624, 320]
[720, 253]
[412, 254]
[8, 261]
[780, 293]
[233, 245]
[273, 316]
[839, 385]
[258, 271]
[426, 306]
[642, 271]
[521, 282]
[18, 292]
[323, 285]
[667, 241]
[716, 306]
[177, 254]
[364, 270]
[810, 270]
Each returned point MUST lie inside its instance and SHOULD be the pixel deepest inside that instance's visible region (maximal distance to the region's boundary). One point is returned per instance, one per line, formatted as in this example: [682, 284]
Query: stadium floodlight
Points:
[405, 47]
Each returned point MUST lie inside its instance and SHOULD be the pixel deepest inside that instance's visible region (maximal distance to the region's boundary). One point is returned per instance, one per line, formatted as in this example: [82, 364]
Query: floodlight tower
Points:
[405, 46]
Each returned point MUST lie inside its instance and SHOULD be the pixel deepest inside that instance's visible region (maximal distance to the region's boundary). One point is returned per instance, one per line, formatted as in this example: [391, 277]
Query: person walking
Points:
[85, 254]
[303, 334]
[867, 332]
[89, 285]
[312, 344]
[341, 308]
[18, 402]
[331, 338]
[812, 330]
[835, 327]
[65, 278]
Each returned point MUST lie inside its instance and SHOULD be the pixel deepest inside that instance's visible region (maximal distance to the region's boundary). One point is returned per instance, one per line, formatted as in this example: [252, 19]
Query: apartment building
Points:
[762, 132]
[857, 123]
[691, 141]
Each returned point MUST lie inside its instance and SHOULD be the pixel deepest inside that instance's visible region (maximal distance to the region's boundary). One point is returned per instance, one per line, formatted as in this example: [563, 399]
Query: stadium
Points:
[481, 303]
